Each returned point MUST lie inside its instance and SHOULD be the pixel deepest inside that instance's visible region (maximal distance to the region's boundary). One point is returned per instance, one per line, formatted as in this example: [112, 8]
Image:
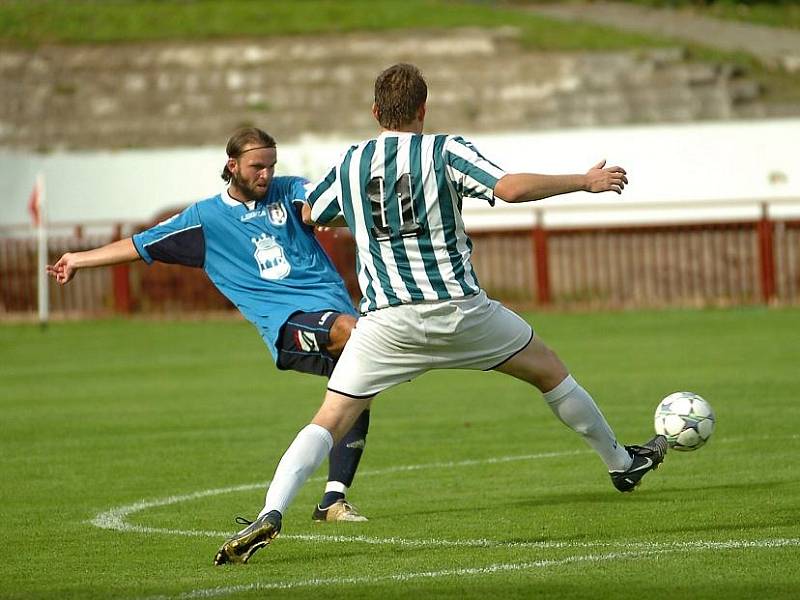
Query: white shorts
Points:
[396, 344]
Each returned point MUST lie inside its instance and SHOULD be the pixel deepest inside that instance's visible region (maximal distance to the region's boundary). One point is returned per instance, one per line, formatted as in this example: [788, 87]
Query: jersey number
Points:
[381, 230]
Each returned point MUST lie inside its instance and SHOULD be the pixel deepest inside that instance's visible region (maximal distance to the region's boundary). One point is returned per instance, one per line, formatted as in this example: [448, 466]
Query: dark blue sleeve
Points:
[178, 240]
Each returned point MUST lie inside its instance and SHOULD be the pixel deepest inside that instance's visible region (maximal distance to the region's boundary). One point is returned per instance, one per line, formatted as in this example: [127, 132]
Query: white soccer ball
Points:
[686, 419]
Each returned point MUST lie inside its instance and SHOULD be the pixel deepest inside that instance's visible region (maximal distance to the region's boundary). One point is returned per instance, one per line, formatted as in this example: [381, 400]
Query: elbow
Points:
[507, 191]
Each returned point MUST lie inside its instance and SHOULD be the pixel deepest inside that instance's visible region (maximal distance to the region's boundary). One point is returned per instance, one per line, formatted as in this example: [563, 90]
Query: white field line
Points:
[116, 518]
[474, 571]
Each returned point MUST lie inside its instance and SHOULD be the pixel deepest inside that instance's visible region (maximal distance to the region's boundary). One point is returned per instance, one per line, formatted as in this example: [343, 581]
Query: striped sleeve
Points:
[473, 174]
[324, 198]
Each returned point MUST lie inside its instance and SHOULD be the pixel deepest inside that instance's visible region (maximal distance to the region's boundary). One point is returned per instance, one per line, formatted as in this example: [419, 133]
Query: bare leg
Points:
[340, 333]
[346, 454]
[538, 365]
[339, 336]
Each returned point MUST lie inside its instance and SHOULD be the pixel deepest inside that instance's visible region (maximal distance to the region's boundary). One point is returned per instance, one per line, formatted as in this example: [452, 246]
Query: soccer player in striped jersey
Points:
[252, 243]
[401, 196]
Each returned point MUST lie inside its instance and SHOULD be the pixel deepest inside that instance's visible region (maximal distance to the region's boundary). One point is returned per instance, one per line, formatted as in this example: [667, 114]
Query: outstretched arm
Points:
[308, 220]
[526, 187]
[111, 254]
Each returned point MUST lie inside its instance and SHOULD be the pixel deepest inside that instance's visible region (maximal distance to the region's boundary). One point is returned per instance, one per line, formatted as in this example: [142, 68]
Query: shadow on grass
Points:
[650, 495]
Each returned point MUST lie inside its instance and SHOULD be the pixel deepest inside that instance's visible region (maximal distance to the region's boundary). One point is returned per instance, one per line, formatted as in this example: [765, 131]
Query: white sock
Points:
[578, 411]
[300, 460]
[336, 486]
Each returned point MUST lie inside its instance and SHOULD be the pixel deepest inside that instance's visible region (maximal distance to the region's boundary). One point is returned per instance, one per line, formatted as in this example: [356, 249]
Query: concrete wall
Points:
[186, 94]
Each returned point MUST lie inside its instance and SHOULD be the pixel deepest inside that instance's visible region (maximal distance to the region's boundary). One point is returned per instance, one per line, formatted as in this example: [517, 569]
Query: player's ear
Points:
[421, 113]
[232, 165]
[376, 113]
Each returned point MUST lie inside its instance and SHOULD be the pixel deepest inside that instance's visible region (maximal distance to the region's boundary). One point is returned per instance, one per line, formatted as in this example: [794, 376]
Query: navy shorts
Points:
[303, 341]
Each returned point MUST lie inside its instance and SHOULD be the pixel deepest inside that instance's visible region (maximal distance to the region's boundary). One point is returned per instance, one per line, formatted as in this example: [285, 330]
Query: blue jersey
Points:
[261, 256]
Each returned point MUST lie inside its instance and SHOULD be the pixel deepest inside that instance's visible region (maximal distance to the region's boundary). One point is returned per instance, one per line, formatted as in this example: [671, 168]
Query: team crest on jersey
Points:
[269, 255]
[276, 212]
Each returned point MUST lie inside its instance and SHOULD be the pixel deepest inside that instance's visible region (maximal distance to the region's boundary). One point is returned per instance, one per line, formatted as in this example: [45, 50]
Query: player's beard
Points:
[249, 189]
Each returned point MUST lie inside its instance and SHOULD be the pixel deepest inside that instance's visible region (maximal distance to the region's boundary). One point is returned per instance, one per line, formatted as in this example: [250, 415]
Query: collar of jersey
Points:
[226, 198]
[396, 133]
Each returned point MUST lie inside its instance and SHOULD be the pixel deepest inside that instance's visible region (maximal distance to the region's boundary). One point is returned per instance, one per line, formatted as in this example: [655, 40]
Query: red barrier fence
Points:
[698, 264]
[644, 266]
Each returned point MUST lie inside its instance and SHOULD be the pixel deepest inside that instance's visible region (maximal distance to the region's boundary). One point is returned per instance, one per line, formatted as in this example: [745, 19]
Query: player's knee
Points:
[340, 333]
[546, 369]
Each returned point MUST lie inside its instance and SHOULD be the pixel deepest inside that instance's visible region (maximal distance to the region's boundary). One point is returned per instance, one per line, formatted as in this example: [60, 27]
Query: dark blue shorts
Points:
[303, 341]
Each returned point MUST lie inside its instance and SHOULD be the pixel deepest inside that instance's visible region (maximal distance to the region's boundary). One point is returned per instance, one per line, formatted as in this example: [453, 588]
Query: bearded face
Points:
[252, 188]
[253, 171]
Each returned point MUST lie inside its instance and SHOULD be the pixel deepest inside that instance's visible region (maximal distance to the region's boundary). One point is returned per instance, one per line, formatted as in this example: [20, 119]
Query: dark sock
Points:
[345, 456]
[275, 516]
[329, 498]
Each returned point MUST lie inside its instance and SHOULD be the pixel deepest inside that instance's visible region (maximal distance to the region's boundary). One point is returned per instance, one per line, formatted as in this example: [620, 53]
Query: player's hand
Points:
[64, 269]
[605, 179]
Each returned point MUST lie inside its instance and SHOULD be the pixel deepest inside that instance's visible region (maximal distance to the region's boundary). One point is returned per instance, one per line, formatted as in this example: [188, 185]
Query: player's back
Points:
[401, 195]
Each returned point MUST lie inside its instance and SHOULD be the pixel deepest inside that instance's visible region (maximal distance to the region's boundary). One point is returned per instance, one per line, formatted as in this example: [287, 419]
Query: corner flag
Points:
[38, 209]
[34, 203]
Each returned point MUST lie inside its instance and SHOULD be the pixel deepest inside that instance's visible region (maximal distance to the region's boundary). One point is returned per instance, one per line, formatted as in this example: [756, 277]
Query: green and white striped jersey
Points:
[401, 196]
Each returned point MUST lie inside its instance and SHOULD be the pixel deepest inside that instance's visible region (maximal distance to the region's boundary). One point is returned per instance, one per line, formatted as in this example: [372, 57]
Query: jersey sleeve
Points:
[177, 240]
[473, 174]
[297, 190]
[324, 198]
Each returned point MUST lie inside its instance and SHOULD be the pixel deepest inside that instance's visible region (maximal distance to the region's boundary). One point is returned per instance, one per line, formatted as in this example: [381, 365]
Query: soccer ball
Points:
[686, 419]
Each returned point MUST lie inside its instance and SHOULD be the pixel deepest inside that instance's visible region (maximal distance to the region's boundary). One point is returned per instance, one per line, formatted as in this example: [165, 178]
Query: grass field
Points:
[35, 22]
[129, 446]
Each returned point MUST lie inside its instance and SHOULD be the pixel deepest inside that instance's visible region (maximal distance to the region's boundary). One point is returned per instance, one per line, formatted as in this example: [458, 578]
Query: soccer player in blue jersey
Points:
[401, 196]
[252, 243]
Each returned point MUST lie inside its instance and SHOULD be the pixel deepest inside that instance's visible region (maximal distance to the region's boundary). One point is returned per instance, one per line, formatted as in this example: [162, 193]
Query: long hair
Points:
[241, 138]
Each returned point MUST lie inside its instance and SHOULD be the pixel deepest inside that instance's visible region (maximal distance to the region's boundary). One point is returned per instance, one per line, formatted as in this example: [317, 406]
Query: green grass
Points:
[37, 22]
[33, 23]
[105, 414]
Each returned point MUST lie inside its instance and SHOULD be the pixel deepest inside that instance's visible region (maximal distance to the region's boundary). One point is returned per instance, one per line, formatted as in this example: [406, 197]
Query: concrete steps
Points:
[184, 94]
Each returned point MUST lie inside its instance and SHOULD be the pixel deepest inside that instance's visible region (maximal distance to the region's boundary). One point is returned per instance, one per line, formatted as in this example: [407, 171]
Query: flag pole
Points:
[41, 271]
